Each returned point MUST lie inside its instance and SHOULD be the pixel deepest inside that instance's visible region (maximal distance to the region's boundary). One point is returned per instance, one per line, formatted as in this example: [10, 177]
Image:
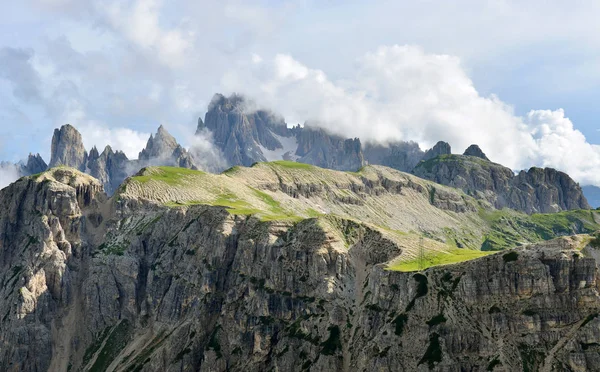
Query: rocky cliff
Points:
[67, 148]
[156, 280]
[317, 147]
[244, 134]
[110, 168]
[163, 149]
[535, 191]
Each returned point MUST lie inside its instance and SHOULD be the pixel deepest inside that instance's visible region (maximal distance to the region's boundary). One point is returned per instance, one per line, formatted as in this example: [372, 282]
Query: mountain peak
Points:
[474, 150]
[67, 148]
[440, 148]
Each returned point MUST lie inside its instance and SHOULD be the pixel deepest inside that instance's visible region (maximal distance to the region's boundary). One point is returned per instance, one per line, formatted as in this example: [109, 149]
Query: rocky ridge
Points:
[239, 133]
[535, 191]
[162, 281]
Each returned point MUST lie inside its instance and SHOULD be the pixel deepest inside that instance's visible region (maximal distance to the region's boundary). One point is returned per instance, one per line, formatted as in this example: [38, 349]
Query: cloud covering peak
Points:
[404, 93]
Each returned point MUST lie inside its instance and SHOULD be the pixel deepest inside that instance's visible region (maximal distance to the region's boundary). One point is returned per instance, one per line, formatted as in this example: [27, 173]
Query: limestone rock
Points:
[474, 150]
[439, 149]
[317, 147]
[241, 132]
[403, 156]
[111, 168]
[35, 164]
[536, 191]
[67, 148]
[127, 284]
[163, 149]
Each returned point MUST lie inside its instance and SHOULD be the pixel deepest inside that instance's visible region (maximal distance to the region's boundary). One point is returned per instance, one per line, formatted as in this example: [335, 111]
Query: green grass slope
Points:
[408, 207]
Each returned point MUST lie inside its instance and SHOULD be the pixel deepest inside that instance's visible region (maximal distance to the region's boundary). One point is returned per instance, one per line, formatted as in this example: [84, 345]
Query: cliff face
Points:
[247, 135]
[67, 148]
[317, 147]
[535, 191]
[163, 149]
[130, 284]
[110, 168]
[241, 133]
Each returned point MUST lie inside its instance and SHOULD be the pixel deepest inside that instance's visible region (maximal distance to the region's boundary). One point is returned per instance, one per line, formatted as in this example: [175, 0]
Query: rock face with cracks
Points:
[538, 190]
[134, 284]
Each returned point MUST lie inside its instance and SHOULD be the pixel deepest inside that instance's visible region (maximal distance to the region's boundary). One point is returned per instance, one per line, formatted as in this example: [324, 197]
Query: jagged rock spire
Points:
[67, 148]
[440, 148]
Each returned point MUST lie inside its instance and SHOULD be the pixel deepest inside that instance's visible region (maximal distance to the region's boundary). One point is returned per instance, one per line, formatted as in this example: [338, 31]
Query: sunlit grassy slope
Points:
[437, 258]
[290, 191]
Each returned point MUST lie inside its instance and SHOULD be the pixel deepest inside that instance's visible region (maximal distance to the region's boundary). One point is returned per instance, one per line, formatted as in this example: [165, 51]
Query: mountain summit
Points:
[67, 148]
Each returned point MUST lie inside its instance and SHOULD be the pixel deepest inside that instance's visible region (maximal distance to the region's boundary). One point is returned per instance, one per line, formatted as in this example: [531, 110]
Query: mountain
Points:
[244, 135]
[163, 149]
[317, 147]
[287, 266]
[67, 148]
[110, 168]
[535, 191]
[235, 129]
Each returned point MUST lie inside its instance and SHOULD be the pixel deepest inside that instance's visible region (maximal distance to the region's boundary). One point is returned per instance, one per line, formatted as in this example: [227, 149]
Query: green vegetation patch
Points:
[510, 256]
[292, 164]
[509, 229]
[399, 324]
[115, 343]
[438, 258]
[234, 205]
[433, 354]
[170, 175]
[333, 343]
[438, 319]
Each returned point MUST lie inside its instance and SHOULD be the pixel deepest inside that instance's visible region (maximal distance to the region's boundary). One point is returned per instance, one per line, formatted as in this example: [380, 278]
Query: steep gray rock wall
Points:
[403, 156]
[535, 191]
[163, 149]
[111, 168]
[317, 147]
[35, 164]
[67, 148]
[240, 132]
[129, 285]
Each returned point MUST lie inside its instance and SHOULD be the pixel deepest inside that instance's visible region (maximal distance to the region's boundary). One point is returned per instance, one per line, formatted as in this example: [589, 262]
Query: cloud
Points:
[404, 93]
[17, 70]
[129, 141]
[207, 156]
[96, 133]
[560, 145]
[9, 173]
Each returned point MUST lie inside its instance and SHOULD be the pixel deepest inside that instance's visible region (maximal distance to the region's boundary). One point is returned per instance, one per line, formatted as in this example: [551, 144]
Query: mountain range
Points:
[245, 135]
[309, 252]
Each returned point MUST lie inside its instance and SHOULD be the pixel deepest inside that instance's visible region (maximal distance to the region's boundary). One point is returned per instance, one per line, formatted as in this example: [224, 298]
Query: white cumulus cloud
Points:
[9, 173]
[404, 93]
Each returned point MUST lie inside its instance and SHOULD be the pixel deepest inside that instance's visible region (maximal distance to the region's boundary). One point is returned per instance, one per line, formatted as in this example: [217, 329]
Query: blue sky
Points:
[494, 73]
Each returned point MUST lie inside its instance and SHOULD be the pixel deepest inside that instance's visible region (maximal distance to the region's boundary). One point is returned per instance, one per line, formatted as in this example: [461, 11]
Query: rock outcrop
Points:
[317, 147]
[67, 148]
[163, 149]
[244, 134]
[439, 149]
[110, 168]
[403, 156]
[536, 191]
[545, 190]
[35, 164]
[130, 285]
[247, 135]
[474, 150]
